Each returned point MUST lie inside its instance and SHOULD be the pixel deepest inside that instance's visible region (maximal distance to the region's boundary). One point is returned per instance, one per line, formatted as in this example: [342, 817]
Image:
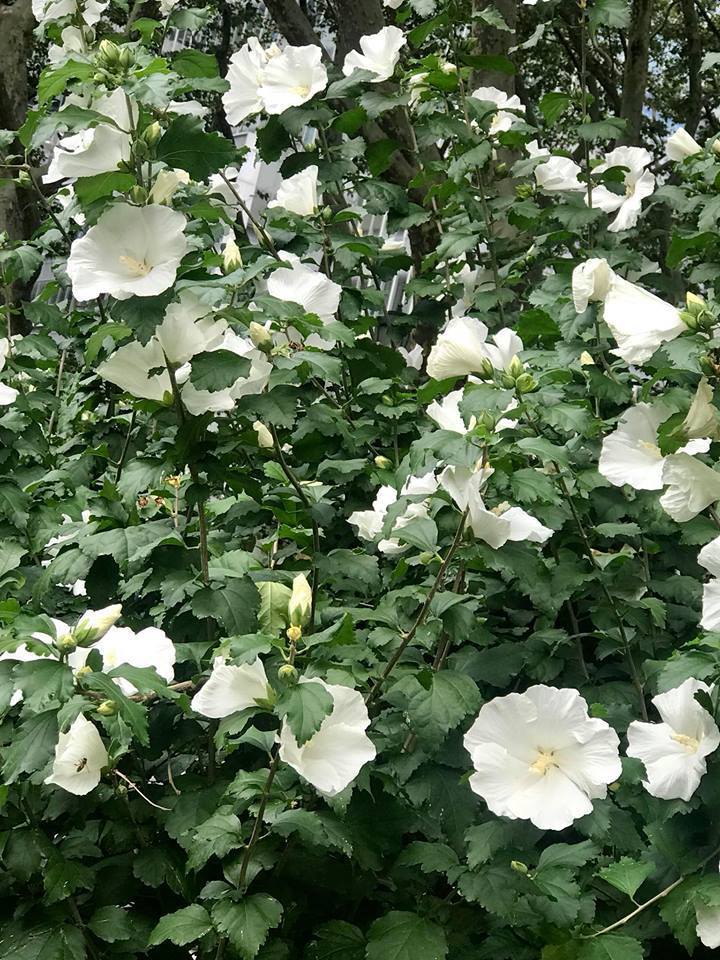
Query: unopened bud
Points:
[519, 867]
[507, 381]
[126, 58]
[586, 359]
[523, 191]
[107, 708]
[426, 557]
[716, 145]
[387, 400]
[382, 463]
[109, 52]
[515, 367]
[487, 370]
[24, 179]
[526, 383]
[140, 150]
[260, 336]
[689, 319]
[264, 437]
[138, 194]
[232, 258]
[293, 634]
[66, 643]
[326, 213]
[152, 133]
[300, 603]
[287, 674]
[83, 671]
[94, 624]
[695, 304]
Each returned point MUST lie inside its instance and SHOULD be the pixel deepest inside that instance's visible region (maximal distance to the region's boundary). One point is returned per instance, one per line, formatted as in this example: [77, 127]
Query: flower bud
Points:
[487, 370]
[94, 624]
[24, 179]
[519, 867]
[107, 708]
[152, 133]
[689, 319]
[83, 671]
[140, 150]
[523, 191]
[287, 674]
[293, 634]
[526, 383]
[138, 194]
[716, 145]
[300, 603]
[695, 304]
[126, 58]
[426, 557]
[260, 336]
[382, 463]
[515, 367]
[507, 381]
[264, 437]
[326, 213]
[109, 53]
[586, 359]
[66, 643]
[232, 258]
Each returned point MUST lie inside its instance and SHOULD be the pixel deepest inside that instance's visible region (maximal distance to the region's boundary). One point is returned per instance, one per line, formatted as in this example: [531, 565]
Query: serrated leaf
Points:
[626, 874]
[247, 923]
[186, 145]
[437, 710]
[305, 706]
[184, 926]
[401, 935]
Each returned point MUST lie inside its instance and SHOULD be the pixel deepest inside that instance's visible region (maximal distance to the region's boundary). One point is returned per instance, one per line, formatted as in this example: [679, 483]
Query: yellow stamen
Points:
[545, 761]
[691, 743]
[139, 267]
[301, 91]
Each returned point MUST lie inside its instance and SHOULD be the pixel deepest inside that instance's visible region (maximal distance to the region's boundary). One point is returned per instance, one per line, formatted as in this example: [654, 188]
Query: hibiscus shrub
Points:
[352, 573]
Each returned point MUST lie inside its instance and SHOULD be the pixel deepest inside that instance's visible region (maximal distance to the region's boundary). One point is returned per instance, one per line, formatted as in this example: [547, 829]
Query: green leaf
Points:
[320, 829]
[184, 926]
[626, 874]
[401, 935]
[53, 80]
[305, 706]
[610, 13]
[611, 946]
[337, 940]
[89, 189]
[186, 145]
[111, 924]
[421, 532]
[234, 605]
[273, 614]
[32, 746]
[195, 63]
[247, 923]
[63, 878]
[436, 711]
[430, 857]
[10, 555]
[379, 155]
[44, 682]
[218, 369]
[553, 105]
[609, 129]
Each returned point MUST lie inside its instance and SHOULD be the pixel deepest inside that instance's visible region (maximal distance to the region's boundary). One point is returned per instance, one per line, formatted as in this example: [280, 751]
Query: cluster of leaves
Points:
[194, 844]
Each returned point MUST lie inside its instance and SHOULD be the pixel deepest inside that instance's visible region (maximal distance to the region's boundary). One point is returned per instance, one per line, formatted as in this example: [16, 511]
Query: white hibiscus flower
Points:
[7, 394]
[495, 526]
[230, 688]
[538, 756]
[503, 119]
[630, 454]
[380, 54]
[244, 75]
[674, 750]
[299, 193]
[446, 413]
[131, 251]
[639, 183]
[681, 145]
[80, 756]
[333, 757]
[292, 78]
[150, 647]
[709, 557]
[691, 487]
[462, 348]
[369, 523]
[558, 173]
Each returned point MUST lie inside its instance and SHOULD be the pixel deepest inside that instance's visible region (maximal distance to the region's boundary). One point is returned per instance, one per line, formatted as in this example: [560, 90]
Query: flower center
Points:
[650, 447]
[110, 659]
[137, 267]
[691, 743]
[545, 761]
[301, 91]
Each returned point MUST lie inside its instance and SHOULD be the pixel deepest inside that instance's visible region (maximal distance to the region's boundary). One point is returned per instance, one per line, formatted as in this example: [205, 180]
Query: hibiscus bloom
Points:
[80, 756]
[150, 647]
[462, 349]
[370, 523]
[332, 758]
[380, 54]
[495, 526]
[298, 194]
[502, 120]
[681, 145]
[244, 75]
[538, 756]
[558, 173]
[7, 394]
[630, 454]
[674, 750]
[230, 688]
[691, 487]
[446, 413]
[639, 183]
[709, 557]
[131, 251]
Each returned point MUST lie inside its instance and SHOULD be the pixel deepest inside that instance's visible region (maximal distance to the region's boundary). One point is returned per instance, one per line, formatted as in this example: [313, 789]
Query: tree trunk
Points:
[694, 53]
[18, 214]
[636, 70]
[495, 42]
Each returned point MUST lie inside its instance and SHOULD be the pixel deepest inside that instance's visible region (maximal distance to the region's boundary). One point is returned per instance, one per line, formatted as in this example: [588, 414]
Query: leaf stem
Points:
[257, 826]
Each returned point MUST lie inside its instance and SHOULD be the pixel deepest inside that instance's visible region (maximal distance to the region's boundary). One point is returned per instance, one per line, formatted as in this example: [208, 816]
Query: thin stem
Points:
[584, 107]
[422, 615]
[257, 826]
[48, 208]
[308, 506]
[260, 230]
[136, 788]
[61, 367]
[125, 446]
